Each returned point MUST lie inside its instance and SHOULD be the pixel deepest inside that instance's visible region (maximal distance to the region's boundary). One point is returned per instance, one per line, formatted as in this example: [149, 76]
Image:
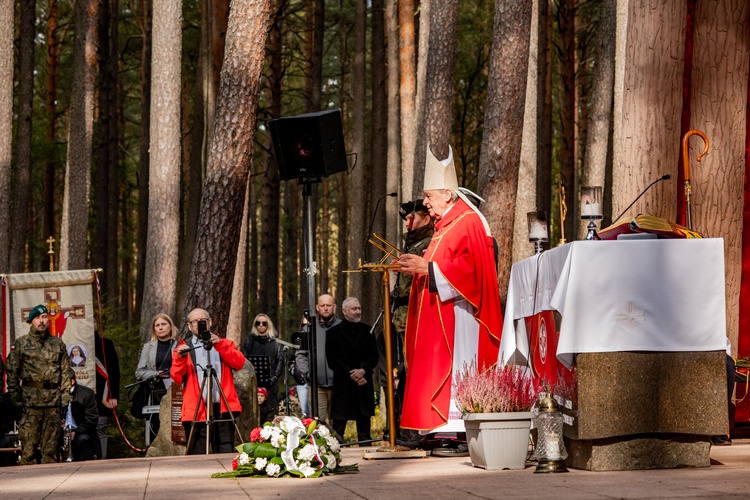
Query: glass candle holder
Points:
[537, 224]
[591, 208]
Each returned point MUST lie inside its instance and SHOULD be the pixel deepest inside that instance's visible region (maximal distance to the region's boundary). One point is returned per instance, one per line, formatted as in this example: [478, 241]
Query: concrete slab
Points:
[181, 478]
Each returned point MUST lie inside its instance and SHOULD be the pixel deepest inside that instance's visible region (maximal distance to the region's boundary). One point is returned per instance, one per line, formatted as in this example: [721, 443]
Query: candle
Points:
[538, 231]
[591, 209]
[553, 446]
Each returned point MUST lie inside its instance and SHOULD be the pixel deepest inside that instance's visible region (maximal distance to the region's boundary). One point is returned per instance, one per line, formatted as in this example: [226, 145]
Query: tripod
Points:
[209, 379]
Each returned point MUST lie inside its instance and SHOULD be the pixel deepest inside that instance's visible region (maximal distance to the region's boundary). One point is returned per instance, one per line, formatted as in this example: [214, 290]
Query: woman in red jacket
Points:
[194, 360]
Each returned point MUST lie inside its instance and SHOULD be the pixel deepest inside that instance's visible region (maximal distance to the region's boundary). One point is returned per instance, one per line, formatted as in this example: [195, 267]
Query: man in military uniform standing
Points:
[39, 383]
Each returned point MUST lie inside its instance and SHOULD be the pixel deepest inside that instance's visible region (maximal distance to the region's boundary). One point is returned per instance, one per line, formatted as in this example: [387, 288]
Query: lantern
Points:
[550, 448]
[537, 223]
[591, 209]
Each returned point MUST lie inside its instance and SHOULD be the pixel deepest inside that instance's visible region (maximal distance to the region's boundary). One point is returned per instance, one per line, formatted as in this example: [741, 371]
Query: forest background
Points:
[117, 100]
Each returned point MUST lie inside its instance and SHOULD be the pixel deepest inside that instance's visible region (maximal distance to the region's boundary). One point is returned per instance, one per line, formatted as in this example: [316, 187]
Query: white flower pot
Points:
[498, 440]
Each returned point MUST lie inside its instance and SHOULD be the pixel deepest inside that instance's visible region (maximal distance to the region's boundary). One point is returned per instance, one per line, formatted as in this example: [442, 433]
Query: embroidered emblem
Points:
[543, 340]
[630, 319]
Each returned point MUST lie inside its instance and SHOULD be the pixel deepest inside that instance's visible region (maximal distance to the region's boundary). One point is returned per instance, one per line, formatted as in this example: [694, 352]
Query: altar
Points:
[638, 360]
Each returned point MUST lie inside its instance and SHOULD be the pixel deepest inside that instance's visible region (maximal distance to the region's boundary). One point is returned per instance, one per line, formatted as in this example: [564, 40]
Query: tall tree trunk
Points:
[164, 191]
[503, 125]
[144, 22]
[75, 216]
[229, 161]
[435, 121]
[21, 181]
[544, 185]
[106, 193]
[649, 127]
[378, 159]
[394, 125]
[325, 239]
[290, 280]
[526, 190]
[358, 202]
[719, 94]
[237, 322]
[407, 92]
[50, 103]
[6, 125]
[214, 17]
[602, 94]
[567, 99]
[252, 275]
[271, 192]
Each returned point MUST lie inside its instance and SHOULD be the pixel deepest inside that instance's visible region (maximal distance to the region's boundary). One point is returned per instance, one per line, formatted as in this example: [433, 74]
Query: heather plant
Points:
[494, 390]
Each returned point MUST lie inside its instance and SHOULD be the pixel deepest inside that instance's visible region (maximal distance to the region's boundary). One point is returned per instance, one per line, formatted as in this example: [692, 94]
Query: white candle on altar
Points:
[591, 209]
[537, 231]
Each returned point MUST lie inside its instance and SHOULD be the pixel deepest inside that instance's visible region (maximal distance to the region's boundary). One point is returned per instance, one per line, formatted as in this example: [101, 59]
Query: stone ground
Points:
[433, 478]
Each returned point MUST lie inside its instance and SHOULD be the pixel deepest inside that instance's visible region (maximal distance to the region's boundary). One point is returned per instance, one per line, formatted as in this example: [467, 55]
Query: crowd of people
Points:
[445, 312]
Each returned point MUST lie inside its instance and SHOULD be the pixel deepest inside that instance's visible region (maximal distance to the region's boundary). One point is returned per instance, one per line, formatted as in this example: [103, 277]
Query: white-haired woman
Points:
[261, 348]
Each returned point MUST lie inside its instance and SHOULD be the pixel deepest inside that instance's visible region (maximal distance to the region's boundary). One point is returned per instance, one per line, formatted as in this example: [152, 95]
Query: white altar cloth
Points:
[640, 295]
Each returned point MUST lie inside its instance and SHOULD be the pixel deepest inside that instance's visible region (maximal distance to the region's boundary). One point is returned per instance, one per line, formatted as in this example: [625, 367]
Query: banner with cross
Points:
[68, 296]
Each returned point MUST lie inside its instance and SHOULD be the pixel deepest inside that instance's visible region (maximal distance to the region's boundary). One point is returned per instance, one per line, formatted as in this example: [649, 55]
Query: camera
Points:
[203, 334]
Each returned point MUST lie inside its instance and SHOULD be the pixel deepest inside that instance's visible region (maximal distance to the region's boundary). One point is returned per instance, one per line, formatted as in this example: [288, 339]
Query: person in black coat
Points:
[352, 354]
[261, 342]
[107, 386]
[86, 444]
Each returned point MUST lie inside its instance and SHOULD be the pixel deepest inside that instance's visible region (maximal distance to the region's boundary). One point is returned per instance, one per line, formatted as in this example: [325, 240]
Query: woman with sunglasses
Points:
[261, 348]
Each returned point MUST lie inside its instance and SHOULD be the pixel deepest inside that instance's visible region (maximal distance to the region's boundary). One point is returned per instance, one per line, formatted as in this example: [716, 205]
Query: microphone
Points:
[374, 213]
[662, 178]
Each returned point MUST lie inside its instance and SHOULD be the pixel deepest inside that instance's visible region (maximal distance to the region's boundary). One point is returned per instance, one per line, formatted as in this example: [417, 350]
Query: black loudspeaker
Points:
[309, 146]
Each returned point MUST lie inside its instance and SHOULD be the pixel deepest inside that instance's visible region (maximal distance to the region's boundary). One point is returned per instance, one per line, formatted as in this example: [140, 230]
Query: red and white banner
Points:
[68, 296]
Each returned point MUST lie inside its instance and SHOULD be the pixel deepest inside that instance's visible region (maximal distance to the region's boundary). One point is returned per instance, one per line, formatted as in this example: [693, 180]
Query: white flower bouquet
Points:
[289, 446]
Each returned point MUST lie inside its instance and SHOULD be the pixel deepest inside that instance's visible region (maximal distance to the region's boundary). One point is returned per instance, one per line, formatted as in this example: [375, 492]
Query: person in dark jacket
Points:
[82, 417]
[262, 342]
[107, 385]
[352, 354]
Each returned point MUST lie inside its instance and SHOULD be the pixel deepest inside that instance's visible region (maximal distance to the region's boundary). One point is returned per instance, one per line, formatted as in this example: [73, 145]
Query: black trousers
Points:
[363, 428]
[222, 434]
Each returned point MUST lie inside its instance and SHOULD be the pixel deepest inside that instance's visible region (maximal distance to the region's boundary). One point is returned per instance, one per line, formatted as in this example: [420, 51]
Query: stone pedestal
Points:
[646, 410]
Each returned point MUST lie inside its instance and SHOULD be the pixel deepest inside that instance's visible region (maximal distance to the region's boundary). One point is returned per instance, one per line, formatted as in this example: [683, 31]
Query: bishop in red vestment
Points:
[454, 309]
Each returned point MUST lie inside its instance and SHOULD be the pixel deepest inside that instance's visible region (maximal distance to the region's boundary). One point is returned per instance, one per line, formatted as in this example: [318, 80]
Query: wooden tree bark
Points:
[377, 182]
[567, 109]
[434, 122]
[106, 181]
[6, 125]
[407, 92]
[503, 125]
[648, 143]
[52, 160]
[229, 161]
[600, 109]
[271, 193]
[237, 322]
[164, 180]
[214, 16]
[544, 184]
[358, 202]
[718, 101]
[144, 23]
[393, 155]
[75, 216]
[526, 191]
[20, 204]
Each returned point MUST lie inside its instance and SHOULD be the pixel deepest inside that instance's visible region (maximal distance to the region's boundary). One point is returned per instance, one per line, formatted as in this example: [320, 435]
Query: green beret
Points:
[38, 310]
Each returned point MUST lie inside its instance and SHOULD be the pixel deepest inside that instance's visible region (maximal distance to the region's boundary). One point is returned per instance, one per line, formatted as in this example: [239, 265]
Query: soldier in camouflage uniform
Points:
[420, 227]
[39, 383]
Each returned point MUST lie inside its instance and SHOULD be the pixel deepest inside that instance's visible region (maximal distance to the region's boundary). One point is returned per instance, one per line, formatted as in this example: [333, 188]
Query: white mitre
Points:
[440, 174]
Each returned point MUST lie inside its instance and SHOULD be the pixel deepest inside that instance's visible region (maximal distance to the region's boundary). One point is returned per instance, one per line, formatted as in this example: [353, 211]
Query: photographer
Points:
[189, 361]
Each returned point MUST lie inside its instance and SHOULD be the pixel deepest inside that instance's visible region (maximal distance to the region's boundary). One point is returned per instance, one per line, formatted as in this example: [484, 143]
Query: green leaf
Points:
[265, 450]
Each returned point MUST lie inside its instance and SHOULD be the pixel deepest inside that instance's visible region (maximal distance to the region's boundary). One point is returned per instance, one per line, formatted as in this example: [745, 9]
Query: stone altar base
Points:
[645, 410]
[655, 451]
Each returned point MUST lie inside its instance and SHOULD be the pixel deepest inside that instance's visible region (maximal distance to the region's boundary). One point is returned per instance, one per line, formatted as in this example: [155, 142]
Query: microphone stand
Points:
[662, 178]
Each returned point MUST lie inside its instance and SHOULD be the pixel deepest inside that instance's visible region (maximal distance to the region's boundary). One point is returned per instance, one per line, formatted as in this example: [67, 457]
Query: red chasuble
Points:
[464, 253]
